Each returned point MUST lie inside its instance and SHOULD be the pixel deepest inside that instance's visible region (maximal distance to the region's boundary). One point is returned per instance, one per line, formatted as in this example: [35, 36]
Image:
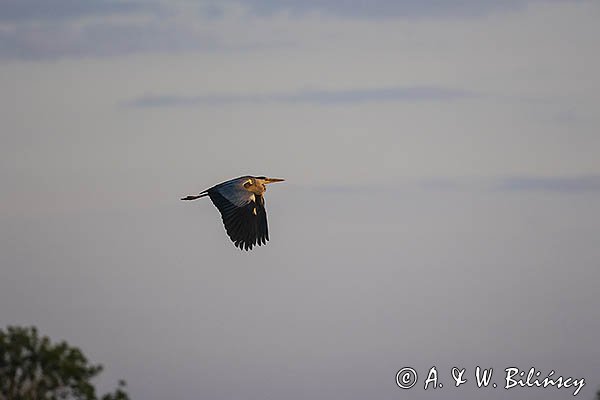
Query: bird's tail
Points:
[195, 197]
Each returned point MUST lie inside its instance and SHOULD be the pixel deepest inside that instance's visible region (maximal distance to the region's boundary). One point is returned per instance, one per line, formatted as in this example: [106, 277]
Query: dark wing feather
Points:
[246, 225]
[263, 228]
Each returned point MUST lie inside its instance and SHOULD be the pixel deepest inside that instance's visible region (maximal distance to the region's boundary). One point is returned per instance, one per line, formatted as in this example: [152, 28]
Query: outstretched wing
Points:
[243, 213]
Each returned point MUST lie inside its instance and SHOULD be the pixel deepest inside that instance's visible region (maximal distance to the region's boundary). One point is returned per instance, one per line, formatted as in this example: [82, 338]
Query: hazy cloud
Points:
[24, 10]
[322, 97]
[35, 29]
[552, 184]
[384, 8]
[566, 184]
[50, 41]
[27, 10]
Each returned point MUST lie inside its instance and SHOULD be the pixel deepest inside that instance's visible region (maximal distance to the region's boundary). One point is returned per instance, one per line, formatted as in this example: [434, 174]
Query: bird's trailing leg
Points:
[194, 197]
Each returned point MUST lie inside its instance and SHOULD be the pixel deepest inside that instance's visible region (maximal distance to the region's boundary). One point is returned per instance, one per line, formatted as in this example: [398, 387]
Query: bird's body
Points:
[242, 206]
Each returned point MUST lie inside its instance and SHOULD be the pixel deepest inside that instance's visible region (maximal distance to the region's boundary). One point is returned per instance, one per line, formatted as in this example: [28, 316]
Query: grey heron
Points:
[242, 206]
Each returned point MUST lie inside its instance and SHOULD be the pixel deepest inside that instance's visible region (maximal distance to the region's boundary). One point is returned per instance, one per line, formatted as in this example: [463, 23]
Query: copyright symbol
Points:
[406, 378]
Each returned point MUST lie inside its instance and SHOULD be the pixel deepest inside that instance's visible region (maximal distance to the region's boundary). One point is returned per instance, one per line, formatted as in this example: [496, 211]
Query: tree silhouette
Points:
[32, 367]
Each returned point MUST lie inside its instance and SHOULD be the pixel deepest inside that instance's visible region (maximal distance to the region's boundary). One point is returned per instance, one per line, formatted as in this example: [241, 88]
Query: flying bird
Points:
[242, 206]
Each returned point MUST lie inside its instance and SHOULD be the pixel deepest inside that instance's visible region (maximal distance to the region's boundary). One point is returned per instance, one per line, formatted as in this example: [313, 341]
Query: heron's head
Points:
[263, 180]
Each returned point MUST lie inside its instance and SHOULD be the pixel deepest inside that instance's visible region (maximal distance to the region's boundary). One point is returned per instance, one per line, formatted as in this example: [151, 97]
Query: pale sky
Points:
[441, 204]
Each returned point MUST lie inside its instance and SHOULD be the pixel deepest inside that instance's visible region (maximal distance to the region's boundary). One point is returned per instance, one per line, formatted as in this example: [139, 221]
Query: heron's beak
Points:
[273, 180]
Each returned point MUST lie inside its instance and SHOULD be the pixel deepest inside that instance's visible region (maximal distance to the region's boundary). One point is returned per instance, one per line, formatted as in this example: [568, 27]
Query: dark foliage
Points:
[32, 367]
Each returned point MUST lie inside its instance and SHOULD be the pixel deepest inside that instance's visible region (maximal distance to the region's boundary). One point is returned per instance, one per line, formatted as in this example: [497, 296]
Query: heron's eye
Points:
[248, 183]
